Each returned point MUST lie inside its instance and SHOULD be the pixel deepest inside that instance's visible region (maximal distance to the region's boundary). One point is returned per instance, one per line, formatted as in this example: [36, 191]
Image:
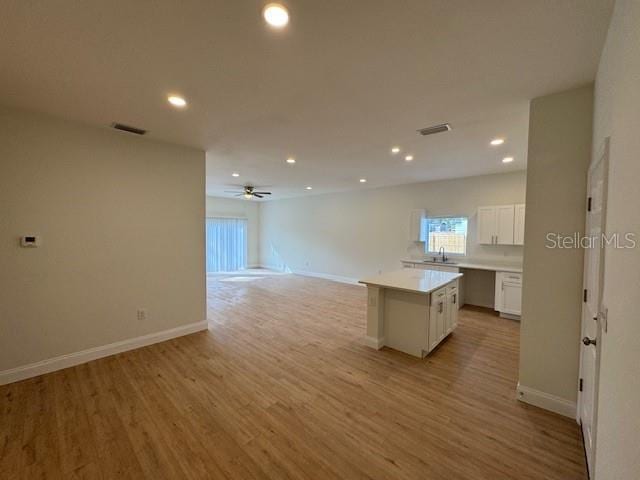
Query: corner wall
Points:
[121, 221]
[560, 128]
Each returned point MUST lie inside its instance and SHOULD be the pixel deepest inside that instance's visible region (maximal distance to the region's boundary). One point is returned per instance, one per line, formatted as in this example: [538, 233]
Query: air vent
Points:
[127, 128]
[445, 127]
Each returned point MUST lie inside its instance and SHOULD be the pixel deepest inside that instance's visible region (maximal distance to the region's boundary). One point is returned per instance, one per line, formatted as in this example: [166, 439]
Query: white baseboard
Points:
[374, 342]
[72, 359]
[328, 276]
[547, 401]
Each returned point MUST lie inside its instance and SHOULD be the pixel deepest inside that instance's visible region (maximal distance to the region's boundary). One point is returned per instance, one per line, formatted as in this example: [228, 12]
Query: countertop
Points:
[496, 267]
[413, 280]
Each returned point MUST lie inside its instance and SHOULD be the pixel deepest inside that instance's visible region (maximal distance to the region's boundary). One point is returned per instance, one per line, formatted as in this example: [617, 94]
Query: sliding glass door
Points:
[226, 244]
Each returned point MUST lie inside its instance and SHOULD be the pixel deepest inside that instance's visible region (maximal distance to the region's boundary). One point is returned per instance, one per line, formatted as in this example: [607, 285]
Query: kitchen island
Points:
[411, 310]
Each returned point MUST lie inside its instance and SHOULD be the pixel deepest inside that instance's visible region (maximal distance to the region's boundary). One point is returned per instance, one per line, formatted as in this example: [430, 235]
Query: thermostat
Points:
[30, 241]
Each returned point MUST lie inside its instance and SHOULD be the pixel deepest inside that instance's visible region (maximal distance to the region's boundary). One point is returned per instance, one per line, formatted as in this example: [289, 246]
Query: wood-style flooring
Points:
[281, 386]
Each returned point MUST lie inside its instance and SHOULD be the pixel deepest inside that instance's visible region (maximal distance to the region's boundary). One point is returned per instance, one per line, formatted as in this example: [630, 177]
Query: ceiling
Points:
[341, 85]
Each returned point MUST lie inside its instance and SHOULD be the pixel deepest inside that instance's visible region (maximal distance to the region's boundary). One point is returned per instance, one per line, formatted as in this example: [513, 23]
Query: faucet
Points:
[441, 252]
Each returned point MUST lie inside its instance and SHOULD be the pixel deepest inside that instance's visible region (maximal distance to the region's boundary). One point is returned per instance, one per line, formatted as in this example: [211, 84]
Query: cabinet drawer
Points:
[439, 294]
[511, 277]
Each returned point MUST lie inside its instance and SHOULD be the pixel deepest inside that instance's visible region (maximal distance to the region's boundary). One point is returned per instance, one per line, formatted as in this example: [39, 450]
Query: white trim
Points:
[374, 342]
[72, 359]
[328, 276]
[547, 401]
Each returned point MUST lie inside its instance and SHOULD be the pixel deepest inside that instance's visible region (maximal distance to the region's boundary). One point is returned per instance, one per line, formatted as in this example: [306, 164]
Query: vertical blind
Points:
[226, 244]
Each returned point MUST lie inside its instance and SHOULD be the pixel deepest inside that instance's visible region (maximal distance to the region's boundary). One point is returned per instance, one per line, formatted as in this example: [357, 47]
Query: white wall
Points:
[229, 207]
[358, 233]
[121, 224]
[617, 114]
[559, 154]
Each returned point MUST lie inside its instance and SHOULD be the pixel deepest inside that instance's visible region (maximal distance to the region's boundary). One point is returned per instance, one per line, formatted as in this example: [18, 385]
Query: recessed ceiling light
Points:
[177, 101]
[507, 160]
[276, 15]
[308, 188]
[235, 174]
[409, 158]
[363, 180]
[291, 160]
[395, 150]
[497, 141]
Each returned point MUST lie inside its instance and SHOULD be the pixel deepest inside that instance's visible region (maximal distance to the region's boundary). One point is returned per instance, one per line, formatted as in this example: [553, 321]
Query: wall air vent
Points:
[127, 128]
[445, 127]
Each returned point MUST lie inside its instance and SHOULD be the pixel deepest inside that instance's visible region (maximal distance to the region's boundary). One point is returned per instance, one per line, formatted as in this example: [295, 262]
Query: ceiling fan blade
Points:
[232, 191]
[263, 193]
[239, 195]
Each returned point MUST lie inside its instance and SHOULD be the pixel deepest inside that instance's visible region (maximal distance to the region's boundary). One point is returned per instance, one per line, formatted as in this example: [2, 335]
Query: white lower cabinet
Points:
[443, 314]
[508, 297]
[453, 299]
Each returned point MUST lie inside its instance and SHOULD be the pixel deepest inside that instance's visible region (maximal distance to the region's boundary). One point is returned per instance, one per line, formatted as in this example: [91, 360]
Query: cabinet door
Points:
[486, 225]
[433, 324]
[511, 298]
[442, 316]
[497, 304]
[415, 225]
[505, 215]
[518, 228]
[452, 301]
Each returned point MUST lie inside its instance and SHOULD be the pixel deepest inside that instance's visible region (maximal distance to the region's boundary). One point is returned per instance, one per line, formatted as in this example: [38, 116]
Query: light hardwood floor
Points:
[282, 387]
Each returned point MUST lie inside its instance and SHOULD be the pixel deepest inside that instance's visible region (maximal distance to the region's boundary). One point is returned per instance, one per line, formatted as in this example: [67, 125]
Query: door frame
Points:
[601, 159]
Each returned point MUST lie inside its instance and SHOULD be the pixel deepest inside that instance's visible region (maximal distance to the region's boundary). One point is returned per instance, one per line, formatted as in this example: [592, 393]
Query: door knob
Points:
[589, 341]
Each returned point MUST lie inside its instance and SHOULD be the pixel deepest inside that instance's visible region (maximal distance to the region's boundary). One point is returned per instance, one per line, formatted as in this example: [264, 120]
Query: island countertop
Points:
[412, 280]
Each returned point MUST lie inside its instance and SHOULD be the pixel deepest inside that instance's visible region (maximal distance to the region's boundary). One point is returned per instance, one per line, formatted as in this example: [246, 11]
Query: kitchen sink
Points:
[440, 262]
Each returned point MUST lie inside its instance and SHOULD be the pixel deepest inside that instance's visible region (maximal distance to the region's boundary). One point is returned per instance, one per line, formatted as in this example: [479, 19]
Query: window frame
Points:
[425, 234]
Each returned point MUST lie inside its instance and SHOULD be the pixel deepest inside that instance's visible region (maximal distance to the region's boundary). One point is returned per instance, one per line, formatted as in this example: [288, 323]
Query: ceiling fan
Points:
[248, 191]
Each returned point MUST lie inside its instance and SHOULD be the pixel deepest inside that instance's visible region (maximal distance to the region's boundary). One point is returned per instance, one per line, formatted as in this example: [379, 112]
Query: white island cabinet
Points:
[411, 310]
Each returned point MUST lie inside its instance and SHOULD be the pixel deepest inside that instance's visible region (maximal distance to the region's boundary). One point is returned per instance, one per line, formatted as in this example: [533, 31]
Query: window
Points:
[226, 244]
[447, 232]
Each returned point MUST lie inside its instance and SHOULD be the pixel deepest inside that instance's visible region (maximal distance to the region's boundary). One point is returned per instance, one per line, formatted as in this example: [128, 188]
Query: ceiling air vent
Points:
[127, 128]
[445, 127]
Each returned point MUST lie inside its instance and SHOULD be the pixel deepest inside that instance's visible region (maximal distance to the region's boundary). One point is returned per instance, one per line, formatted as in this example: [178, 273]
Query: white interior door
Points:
[592, 322]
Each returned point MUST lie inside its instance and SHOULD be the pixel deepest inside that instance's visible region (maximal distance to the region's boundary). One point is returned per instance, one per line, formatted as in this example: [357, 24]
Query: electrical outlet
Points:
[142, 314]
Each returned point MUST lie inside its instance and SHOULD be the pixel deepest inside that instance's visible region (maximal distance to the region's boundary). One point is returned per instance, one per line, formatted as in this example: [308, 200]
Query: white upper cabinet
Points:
[415, 225]
[487, 221]
[501, 225]
[518, 229]
[504, 225]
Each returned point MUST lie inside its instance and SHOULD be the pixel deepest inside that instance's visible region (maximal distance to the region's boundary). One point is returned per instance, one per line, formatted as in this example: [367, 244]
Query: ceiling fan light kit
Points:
[248, 192]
